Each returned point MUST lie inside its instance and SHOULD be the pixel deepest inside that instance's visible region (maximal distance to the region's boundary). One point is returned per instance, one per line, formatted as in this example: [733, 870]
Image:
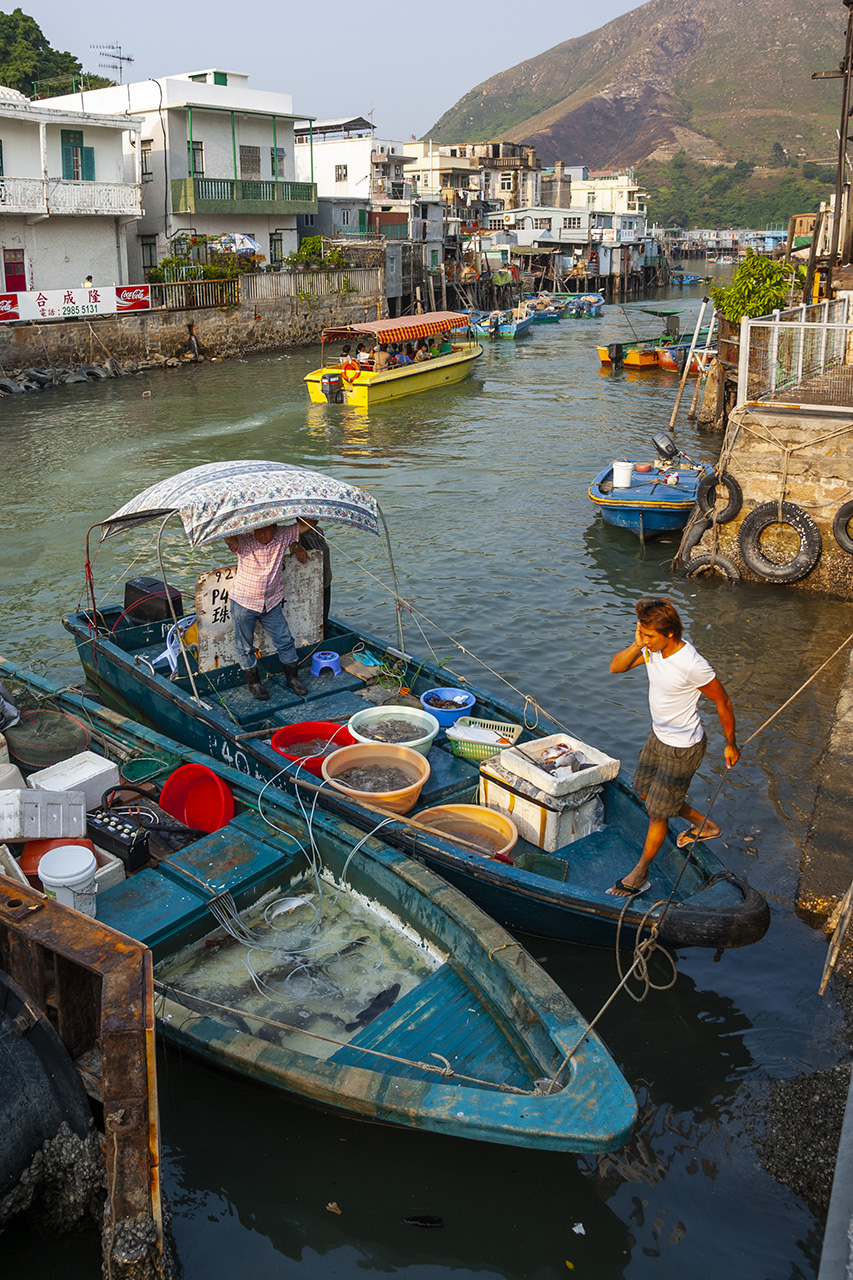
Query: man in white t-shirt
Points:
[675, 747]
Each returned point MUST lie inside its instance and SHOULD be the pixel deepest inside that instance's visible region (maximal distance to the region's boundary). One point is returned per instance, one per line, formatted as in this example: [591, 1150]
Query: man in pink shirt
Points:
[257, 595]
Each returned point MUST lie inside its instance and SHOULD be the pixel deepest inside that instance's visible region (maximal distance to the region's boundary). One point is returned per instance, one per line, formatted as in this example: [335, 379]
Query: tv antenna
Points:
[114, 59]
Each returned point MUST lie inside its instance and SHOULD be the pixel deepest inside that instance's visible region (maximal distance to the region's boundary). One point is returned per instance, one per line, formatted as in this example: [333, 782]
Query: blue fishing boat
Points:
[585, 306]
[654, 499]
[500, 324]
[296, 951]
[559, 892]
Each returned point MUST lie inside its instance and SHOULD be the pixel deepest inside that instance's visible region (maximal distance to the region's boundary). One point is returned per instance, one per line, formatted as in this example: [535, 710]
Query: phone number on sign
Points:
[86, 309]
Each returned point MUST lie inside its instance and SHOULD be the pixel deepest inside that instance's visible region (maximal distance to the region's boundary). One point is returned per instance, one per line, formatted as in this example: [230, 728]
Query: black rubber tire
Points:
[843, 516]
[749, 542]
[706, 496]
[692, 538]
[6, 384]
[94, 372]
[700, 567]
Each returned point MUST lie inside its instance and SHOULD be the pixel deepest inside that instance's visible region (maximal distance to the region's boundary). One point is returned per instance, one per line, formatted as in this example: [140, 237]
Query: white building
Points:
[68, 190]
[216, 157]
[606, 191]
[477, 175]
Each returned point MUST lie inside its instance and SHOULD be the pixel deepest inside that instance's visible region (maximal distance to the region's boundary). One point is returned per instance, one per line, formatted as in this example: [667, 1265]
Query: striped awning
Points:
[404, 328]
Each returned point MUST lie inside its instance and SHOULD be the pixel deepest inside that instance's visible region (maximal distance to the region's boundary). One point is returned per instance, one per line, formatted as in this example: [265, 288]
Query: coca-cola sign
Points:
[9, 309]
[133, 297]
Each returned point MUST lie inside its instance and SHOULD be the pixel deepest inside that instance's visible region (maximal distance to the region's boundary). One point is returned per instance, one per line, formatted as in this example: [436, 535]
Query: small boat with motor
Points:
[298, 952]
[550, 886]
[546, 308]
[649, 498]
[501, 324]
[674, 357]
[363, 388]
[584, 306]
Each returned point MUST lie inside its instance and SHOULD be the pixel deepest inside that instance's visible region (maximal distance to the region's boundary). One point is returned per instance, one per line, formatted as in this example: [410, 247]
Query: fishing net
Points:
[43, 738]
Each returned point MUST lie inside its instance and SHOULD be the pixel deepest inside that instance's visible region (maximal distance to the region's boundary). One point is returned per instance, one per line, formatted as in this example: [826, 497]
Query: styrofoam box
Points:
[562, 781]
[547, 821]
[41, 815]
[86, 772]
[110, 869]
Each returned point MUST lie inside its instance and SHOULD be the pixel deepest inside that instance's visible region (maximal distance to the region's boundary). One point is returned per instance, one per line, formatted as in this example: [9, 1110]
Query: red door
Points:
[15, 270]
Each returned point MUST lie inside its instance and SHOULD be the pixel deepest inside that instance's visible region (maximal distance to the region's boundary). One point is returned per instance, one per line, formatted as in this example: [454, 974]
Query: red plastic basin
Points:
[34, 850]
[196, 796]
[328, 730]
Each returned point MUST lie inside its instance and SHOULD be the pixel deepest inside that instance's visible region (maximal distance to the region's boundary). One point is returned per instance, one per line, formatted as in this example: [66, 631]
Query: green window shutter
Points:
[69, 138]
[219, 77]
[88, 168]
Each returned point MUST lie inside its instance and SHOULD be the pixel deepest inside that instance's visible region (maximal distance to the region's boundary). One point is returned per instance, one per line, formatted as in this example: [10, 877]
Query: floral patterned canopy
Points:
[220, 499]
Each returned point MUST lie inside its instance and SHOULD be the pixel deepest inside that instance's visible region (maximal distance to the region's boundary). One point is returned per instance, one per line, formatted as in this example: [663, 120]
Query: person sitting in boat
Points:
[348, 362]
[675, 747]
[382, 360]
[363, 356]
[433, 348]
[445, 346]
[403, 356]
[257, 595]
[422, 353]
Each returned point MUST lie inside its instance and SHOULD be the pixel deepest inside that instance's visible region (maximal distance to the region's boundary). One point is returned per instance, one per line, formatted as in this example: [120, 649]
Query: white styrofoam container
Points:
[561, 782]
[110, 869]
[42, 815]
[86, 772]
[539, 819]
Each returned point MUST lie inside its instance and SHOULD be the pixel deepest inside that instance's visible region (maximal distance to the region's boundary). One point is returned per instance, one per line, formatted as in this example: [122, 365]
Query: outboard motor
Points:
[616, 352]
[494, 324]
[666, 447]
[332, 387]
[681, 354]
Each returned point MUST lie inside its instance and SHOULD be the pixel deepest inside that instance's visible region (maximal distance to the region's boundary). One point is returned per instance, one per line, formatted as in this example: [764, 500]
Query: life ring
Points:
[706, 496]
[701, 566]
[350, 370]
[692, 538]
[749, 542]
[843, 516]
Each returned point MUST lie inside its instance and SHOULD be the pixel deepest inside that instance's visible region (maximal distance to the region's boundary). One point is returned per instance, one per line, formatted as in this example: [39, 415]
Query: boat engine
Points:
[666, 447]
[616, 352]
[332, 387]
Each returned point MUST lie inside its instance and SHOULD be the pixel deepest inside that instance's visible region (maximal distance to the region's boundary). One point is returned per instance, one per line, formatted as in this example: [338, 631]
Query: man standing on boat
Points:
[675, 747]
[257, 595]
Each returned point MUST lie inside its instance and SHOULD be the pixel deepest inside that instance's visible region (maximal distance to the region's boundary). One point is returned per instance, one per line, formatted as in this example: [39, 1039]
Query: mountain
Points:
[719, 81]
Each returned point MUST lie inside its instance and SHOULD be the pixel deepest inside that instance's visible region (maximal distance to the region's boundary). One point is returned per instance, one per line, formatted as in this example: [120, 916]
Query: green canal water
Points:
[497, 544]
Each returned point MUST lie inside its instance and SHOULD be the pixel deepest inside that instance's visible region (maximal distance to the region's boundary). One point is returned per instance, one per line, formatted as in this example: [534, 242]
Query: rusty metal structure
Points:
[96, 988]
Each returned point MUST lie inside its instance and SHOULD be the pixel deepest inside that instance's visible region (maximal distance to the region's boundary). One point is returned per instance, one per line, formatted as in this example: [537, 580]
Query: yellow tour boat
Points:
[362, 388]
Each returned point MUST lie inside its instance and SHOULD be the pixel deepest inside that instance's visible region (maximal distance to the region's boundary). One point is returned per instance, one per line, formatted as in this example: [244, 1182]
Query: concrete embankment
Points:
[251, 326]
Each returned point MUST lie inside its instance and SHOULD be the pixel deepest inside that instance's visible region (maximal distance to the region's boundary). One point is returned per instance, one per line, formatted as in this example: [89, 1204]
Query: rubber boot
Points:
[291, 678]
[257, 690]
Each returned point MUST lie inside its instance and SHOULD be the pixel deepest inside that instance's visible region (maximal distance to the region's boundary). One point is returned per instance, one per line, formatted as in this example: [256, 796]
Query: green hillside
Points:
[684, 193]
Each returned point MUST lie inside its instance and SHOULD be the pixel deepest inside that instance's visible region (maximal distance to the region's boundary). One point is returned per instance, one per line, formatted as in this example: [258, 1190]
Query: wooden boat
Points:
[649, 506]
[672, 358]
[364, 388]
[500, 324]
[633, 355]
[307, 956]
[209, 708]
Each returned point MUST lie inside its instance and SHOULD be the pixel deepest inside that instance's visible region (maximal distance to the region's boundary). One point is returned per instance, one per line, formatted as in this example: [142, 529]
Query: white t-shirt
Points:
[674, 685]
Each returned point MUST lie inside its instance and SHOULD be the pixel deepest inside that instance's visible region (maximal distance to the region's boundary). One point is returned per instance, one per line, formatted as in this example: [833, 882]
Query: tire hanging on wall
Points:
[706, 496]
[692, 538]
[843, 516]
[701, 566]
[749, 542]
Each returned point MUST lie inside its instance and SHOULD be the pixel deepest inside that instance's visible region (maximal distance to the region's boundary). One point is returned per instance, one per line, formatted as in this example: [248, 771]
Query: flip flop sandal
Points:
[623, 890]
[691, 835]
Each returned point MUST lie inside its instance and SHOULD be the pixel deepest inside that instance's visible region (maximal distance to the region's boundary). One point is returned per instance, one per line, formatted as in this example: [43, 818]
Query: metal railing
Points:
[190, 295]
[290, 284]
[801, 355]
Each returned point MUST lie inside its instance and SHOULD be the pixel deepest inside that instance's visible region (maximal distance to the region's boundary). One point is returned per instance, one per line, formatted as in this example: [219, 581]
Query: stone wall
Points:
[818, 477]
[263, 325]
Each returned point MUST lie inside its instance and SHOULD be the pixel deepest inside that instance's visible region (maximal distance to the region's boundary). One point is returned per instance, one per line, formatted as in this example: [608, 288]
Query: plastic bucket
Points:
[446, 715]
[415, 765]
[198, 798]
[424, 726]
[11, 778]
[285, 740]
[472, 823]
[34, 851]
[622, 475]
[68, 876]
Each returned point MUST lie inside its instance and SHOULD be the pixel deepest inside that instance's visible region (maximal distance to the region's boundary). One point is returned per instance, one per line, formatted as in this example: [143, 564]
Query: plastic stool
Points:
[326, 661]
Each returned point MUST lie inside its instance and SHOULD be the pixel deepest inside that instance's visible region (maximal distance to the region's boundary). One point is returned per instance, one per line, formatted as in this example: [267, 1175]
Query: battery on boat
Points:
[146, 600]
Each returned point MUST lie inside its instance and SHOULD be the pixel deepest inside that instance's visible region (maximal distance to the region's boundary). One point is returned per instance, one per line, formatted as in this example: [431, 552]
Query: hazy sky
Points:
[411, 60]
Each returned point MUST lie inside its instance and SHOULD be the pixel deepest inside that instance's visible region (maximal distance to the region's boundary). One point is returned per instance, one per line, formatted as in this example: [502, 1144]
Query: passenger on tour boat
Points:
[404, 356]
[362, 355]
[675, 747]
[257, 595]
[382, 360]
[445, 347]
[422, 352]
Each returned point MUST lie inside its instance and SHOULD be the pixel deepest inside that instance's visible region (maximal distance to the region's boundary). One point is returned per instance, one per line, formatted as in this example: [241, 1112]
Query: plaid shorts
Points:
[664, 774]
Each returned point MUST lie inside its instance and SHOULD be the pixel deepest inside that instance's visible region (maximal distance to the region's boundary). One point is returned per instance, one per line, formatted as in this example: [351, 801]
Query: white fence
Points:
[34, 195]
[320, 284]
[802, 355]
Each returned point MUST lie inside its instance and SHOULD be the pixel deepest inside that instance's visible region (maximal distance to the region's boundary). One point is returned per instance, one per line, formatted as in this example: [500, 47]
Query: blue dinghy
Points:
[296, 951]
[657, 499]
[559, 893]
[499, 324]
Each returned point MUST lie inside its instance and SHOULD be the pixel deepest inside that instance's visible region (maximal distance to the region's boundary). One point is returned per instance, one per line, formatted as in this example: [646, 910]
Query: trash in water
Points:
[375, 777]
[423, 1220]
[391, 730]
[332, 1207]
[578, 1229]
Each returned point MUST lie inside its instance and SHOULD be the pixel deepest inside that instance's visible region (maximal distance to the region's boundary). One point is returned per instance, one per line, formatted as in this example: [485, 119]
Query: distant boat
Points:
[500, 324]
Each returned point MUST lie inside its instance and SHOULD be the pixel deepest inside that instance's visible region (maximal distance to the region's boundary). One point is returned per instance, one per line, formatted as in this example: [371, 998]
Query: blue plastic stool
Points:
[326, 661]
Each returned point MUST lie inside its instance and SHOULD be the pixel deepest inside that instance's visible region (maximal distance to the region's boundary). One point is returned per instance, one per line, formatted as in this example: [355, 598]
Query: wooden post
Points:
[443, 288]
[687, 364]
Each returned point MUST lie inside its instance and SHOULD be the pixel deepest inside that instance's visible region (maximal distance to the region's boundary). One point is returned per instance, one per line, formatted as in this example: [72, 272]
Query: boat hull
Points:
[370, 389]
[633, 357]
[648, 508]
[668, 359]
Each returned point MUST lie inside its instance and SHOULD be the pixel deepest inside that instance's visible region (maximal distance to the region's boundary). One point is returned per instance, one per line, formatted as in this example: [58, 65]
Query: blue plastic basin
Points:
[445, 716]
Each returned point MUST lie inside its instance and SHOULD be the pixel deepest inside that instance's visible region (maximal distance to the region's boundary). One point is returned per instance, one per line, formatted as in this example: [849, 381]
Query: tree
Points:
[26, 56]
[779, 156]
[758, 287]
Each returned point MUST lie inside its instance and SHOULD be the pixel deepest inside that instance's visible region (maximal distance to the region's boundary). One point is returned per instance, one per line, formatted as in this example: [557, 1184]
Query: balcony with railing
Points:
[242, 195]
[77, 199]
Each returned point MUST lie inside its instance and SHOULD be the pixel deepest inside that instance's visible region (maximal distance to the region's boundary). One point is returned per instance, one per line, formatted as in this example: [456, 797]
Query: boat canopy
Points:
[221, 499]
[403, 329]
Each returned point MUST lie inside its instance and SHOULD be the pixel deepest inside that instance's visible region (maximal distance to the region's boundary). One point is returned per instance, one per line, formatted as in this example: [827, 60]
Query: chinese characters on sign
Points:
[68, 304]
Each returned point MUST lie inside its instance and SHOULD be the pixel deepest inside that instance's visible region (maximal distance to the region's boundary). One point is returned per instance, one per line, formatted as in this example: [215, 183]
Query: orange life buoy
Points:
[350, 370]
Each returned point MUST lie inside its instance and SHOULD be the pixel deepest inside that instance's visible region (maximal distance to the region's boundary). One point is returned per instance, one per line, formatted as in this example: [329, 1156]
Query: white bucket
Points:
[622, 475]
[11, 778]
[4, 750]
[68, 876]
